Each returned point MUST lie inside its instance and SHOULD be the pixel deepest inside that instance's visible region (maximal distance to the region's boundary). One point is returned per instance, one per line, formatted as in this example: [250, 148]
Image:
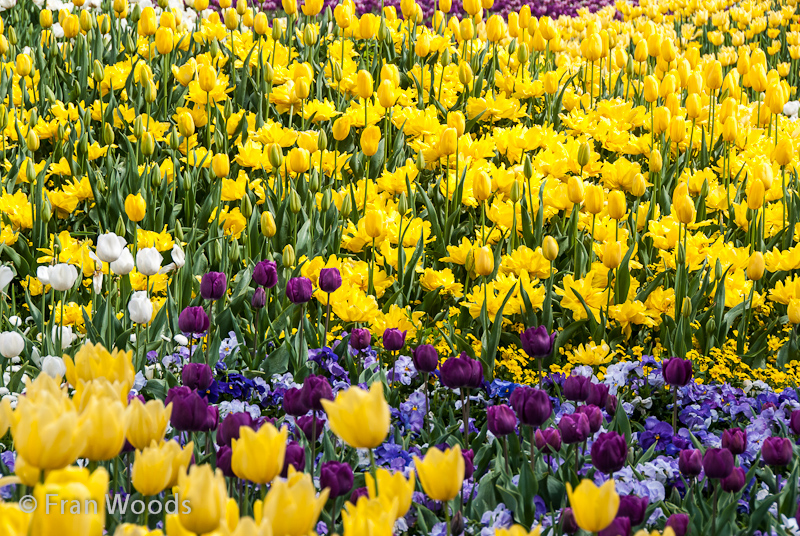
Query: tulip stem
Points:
[505, 453]
[674, 408]
[314, 441]
[714, 514]
[465, 413]
[428, 402]
[327, 320]
[446, 509]
[533, 451]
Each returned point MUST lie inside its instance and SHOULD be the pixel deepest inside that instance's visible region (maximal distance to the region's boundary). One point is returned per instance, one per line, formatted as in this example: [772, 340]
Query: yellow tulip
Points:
[27, 473]
[448, 143]
[292, 506]
[392, 489]
[369, 516]
[343, 15]
[152, 469]
[181, 459]
[94, 361]
[207, 78]
[386, 94]
[145, 423]
[289, 6]
[220, 165]
[258, 456]
[612, 254]
[13, 521]
[135, 207]
[360, 418]
[105, 429]
[794, 311]
[441, 473]
[147, 22]
[5, 416]
[784, 151]
[268, 227]
[312, 8]
[481, 186]
[77, 503]
[101, 389]
[755, 266]
[755, 195]
[617, 206]
[457, 121]
[370, 139]
[23, 65]
[299, 160]
[517, 530]
[575, 190]
[684, 209]
[550, 248]
[185, 73]
[594, 508]
[164, 41]
[341, 128]
[48, 431]
[364, 84]
[484, 261]
[207, 494]
[595, 199]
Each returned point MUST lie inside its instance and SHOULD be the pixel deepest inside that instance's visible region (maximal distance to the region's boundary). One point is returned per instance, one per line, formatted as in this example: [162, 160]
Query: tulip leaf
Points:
[493, 337]
[156, 388]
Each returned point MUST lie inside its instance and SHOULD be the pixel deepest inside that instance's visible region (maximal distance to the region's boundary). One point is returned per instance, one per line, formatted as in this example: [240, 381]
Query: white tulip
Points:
[65, 335]
[140, 308]
[11, 344]
[97, 282]
[43, 274]
[178, 260]
[54, 366]
[110, 246]
[62, 276]
[148, 261]
[15, 321]
[6, 276]
[124, 264]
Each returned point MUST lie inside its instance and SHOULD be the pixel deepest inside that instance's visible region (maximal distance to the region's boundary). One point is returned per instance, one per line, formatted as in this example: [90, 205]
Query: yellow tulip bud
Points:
[656, 162]
[617, 206]
[360, 418]
[677, 129]
[612, 254]
[441, 473]
[639, 186]
[164, 41]
[135, 207]
[448, 142]
[595, 199]
[784, 151]
[481, 186]
[484, 261]
[575, 190]
[364, 84]
[550, 248]
[755, 195]
[370, 140]
[258, 456]
[457, 121]
[341, 128]
[299, 160]
[386, 94]
[207, 492]
[268, 228]
[755, 266]
[207, 77]
[650, 88]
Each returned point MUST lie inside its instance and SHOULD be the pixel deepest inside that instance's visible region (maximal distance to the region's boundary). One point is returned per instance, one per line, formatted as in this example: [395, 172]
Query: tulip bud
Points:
[612, 254]
[420, 161]
[584, 154]
[481, 186]
[655, 161]
[138, 127]
[639, 186]
[465, 75]
[550, 248]
[295, 204]
[288, 256]
[32, 141]
[484, 261]
[755, 195]
[686, 308]
[275, 156]
[347, 206]
[374, 223]
[755, 266]
[516, 192]
[527, 167]
[617, 206]
[469, 262]
[268, 228]
[108, 134]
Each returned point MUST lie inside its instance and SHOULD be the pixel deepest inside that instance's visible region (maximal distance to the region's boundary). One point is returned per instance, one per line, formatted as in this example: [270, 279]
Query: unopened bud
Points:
[295, 204]
[527, 167]
[288, 256]
[516, 191]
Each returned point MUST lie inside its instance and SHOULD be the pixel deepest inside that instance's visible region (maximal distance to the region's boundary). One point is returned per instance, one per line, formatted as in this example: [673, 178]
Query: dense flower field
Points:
[432, 269]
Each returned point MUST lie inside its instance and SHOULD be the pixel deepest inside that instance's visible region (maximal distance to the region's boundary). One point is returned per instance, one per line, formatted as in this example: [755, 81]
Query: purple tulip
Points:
[598, 394]
[306, 424]
[329, 279]
[360, 339]
[393, 339]
[295, 456]
[357, 494]
[462, 371]
[794, 421]
[337, 477]
[190, 411]
[265, 274]
[193, 320]
[224, 455]
[229, 429]
[611, 405]
[259, 299]
[299, 290]
[690, 462]
[501, 420]
[634, 508]
[469, 462]
[677, 371]
[574, 428]
[315, 389]
[567, 521]
[609, 452]
[577, 388]
[718, 463]
[425, 358]
[533, 406]
[294, 403]
[621, 526]
[734, 482]
[735, 440]
[594, 415]
[197, 376]
[213, 285]
[549, 439]
[537, 342]
[679, 523]
[777, 451]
